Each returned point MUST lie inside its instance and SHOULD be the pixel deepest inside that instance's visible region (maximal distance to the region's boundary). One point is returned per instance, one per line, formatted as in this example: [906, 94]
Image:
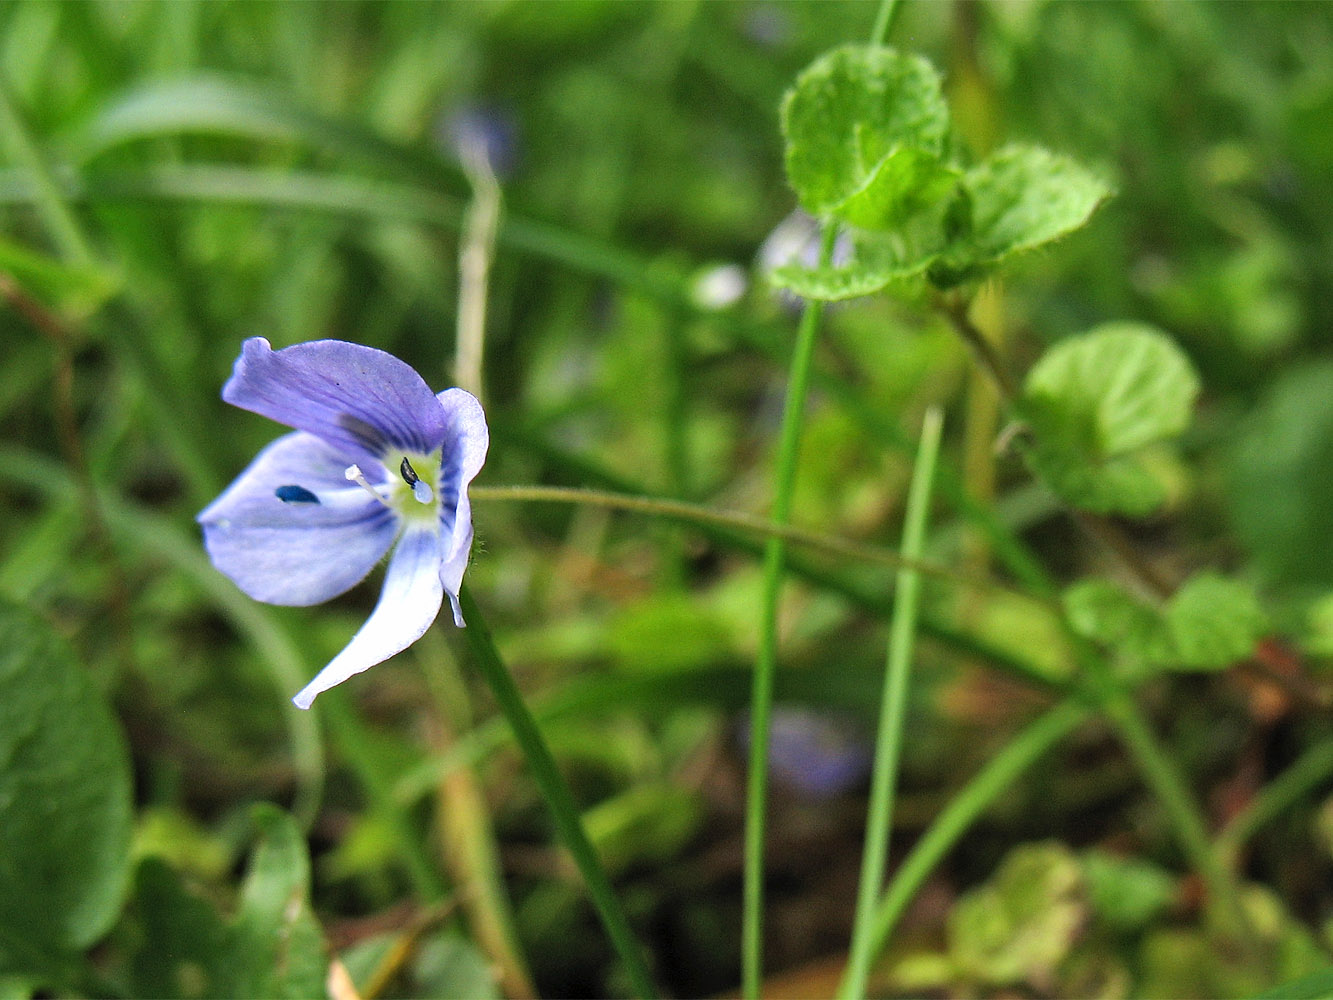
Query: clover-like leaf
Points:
[1214, 622]
[1021, 924]
[1210, 623]
[1106, 613]
[1094, 401]
[1024, 196]
[866, 128]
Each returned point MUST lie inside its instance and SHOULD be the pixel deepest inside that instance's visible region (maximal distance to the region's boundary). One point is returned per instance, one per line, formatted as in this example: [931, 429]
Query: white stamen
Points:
[422, 491]
[354, 475]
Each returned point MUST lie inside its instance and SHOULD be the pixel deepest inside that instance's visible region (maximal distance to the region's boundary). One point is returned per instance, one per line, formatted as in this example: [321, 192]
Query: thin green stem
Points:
[966, 807]
[761, 700]
[691, 513]
[1114, 700]
[883, 19]
[1291, 786]
[893, 709]
[481, 222]
[1190, 829]
[564, 811]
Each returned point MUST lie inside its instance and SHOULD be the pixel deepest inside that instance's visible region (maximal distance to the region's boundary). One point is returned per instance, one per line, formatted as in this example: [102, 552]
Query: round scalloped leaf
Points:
[1106, 613]
[865, 128]
[1214, 622]
[1114, 389]
[1094, 401]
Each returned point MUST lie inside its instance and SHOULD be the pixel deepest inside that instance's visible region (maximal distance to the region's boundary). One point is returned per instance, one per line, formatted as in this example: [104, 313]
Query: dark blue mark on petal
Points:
[295, 494]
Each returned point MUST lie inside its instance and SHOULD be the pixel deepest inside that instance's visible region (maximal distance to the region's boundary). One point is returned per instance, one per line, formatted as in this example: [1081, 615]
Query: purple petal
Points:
[362, 401]
[466, 440]
[407, 606]
[297, 553]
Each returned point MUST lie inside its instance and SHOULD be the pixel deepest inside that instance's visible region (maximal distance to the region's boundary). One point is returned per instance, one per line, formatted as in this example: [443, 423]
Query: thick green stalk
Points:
[966, 807]
[568, 824]
[761, 699]
[893, 710]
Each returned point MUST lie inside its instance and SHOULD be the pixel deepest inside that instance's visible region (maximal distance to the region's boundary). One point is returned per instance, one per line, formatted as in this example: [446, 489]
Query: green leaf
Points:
[1209, 623]
[272, 947]
[1019, 926]
[1214, 622]
[1127, 893]
[446, 965]
[1116, 388]
[650, 822]
[222, 105]
[65, 795]
[1107, 614]
[1094, 401]
[1020, 198]
[1120, 485]
[1276, 470]
[865, 128]
[17, 987]
[1315, 986]
[80, 288]
[275, 933]
[449, 965]
[185, 950]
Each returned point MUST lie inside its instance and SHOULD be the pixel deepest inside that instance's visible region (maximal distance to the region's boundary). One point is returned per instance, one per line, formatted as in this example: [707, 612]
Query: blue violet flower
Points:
[377, 462]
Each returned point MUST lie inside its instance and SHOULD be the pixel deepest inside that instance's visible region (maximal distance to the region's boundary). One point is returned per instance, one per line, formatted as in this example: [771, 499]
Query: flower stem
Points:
[761, 698]
[893, 708]
[568, 824]
[692, 513]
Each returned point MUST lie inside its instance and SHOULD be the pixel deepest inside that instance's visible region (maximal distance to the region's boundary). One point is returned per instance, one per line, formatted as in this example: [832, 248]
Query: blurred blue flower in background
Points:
[817, 753]
[796, 240]
[476, 130]
[377, 462]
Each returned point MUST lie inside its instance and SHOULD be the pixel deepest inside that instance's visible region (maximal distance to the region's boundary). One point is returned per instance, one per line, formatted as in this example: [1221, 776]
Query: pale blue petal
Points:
[362, 401]
[407, 606]
[465, 442]
[297, 553]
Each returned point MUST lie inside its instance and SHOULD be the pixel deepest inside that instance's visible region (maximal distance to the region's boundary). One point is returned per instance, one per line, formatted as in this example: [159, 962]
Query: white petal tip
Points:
[305, 699]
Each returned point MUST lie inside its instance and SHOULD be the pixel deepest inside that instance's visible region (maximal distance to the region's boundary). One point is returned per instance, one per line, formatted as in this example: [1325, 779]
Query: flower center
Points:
[413, 492]
[421, 491]
[410, 495]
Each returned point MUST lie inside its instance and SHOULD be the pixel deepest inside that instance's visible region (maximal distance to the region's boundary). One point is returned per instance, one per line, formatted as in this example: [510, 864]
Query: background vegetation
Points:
[180, 176]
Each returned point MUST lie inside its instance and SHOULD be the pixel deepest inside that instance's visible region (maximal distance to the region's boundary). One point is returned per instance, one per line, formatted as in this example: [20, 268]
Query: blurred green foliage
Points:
[179, 176]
